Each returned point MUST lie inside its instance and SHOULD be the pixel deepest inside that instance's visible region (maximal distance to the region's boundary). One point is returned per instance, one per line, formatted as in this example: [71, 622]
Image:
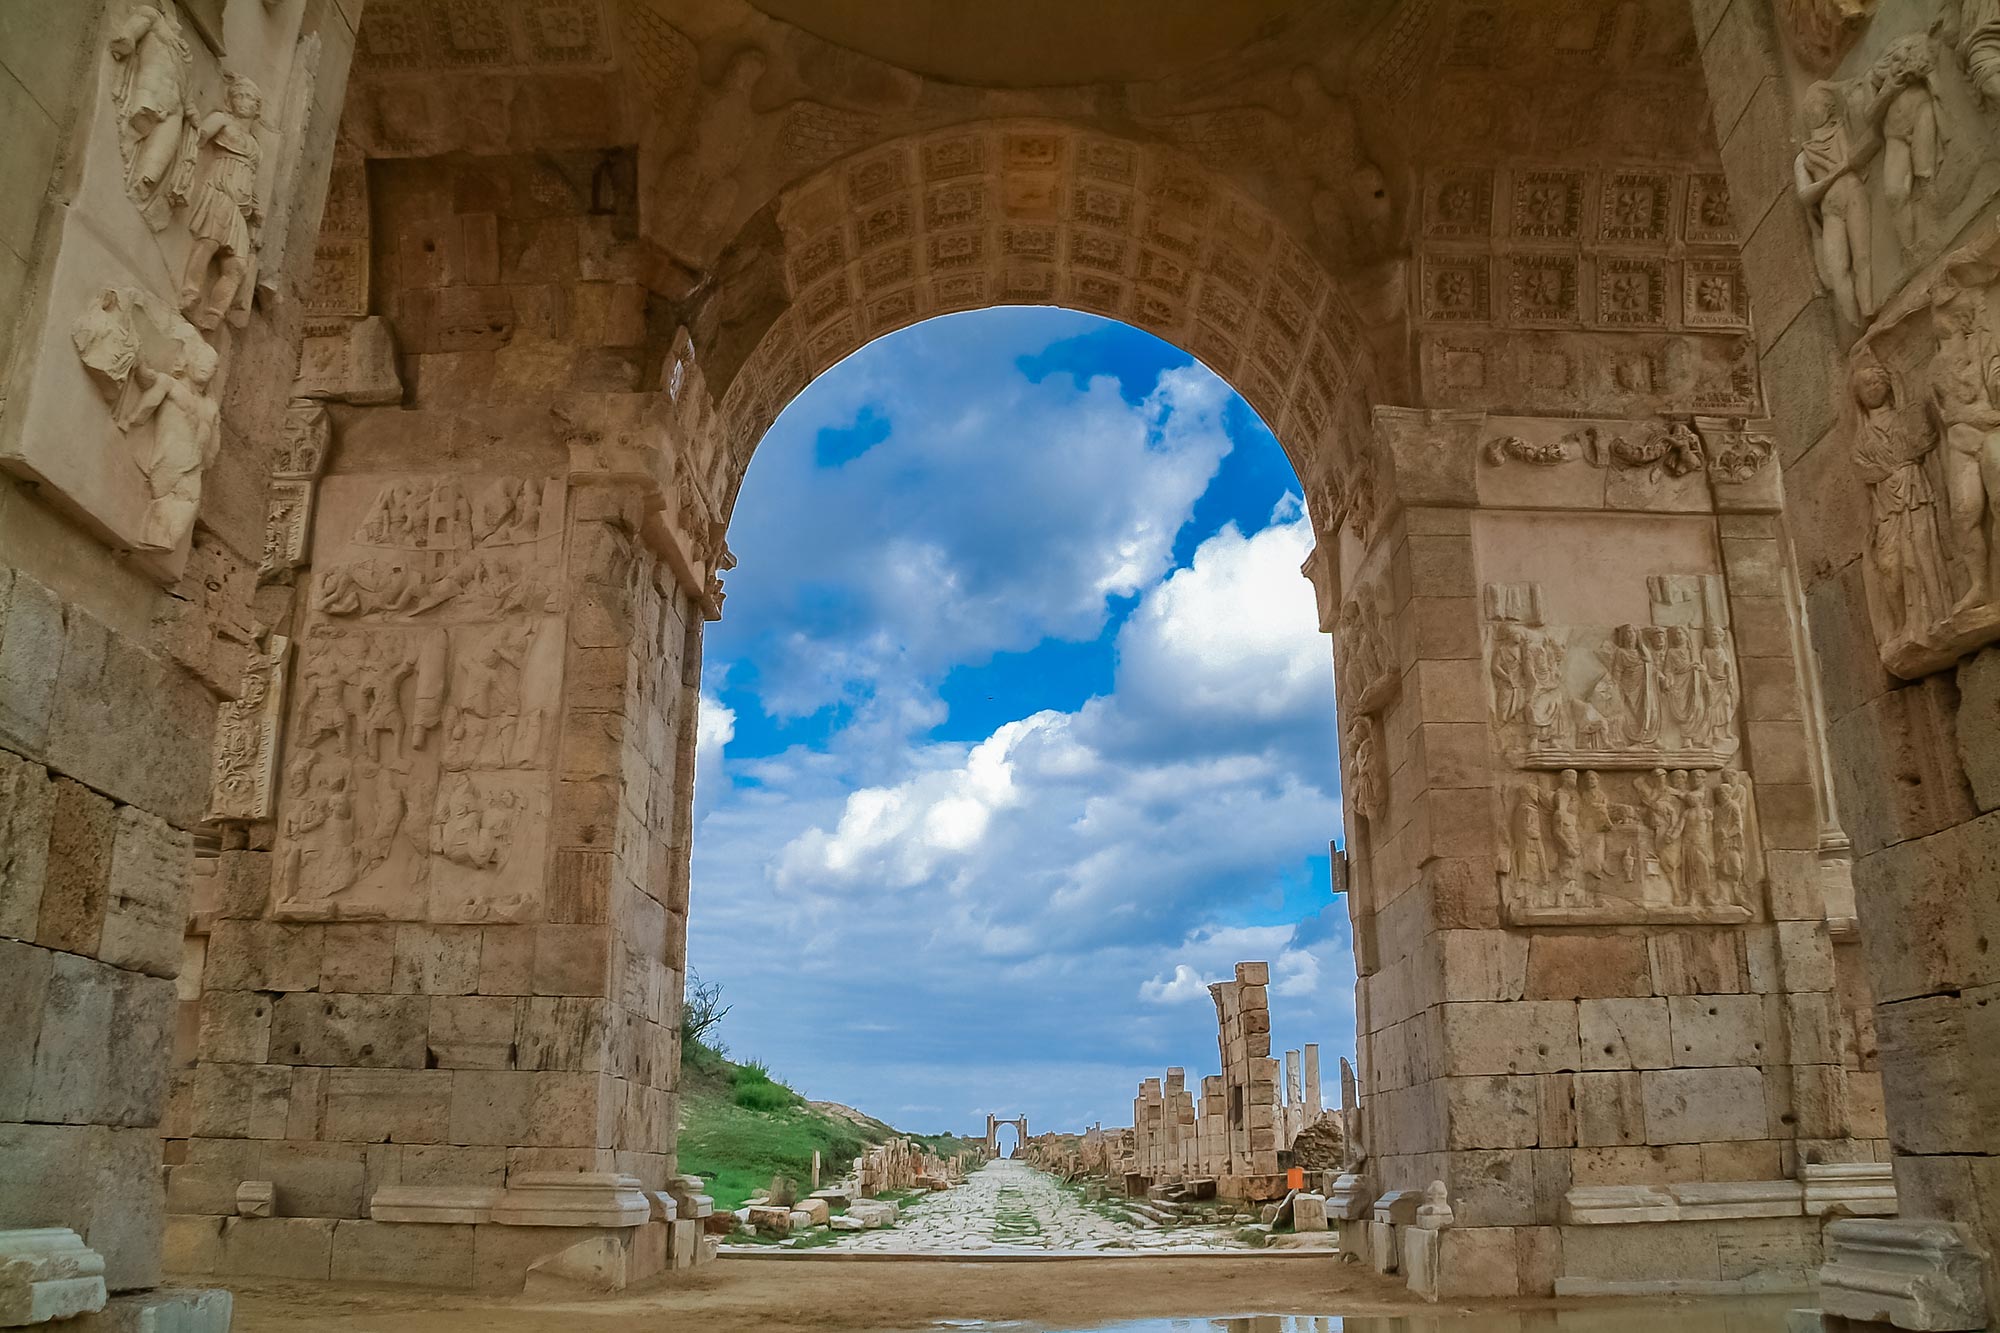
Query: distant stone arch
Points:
[993, 1124]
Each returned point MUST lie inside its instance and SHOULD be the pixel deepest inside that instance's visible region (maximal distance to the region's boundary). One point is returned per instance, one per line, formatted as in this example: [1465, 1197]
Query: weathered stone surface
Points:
[147, 895]
[76, 891]
[1702, 1105]
[27, 813]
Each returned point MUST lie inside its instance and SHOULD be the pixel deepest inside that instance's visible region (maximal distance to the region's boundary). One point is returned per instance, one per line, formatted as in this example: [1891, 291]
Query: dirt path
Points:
[1008, 1206]
[777, 1295]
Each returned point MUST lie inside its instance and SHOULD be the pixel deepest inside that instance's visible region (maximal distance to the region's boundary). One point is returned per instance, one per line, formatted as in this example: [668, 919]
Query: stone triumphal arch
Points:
[993, 1123]
[379, 382]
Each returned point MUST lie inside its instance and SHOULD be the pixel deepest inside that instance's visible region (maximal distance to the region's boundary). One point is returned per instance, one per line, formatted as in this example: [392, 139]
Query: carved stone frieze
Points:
[244, 784]
[417, 781]
[1663, 694]
[1591, 847]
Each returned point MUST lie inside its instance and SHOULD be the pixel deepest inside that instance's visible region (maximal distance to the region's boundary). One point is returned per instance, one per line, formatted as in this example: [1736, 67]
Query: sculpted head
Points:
[1821, 106]
[246, 99]
[1872, 386]
[195, 363]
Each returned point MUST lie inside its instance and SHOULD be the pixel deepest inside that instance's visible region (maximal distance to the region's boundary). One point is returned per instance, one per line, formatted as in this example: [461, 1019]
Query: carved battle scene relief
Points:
[1632, 806]
[1923, 421]
[416, 776]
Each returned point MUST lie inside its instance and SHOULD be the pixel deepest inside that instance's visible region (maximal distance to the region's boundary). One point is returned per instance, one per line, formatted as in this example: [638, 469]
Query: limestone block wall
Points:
[126, 616]
[1876, 369]
[453, 957]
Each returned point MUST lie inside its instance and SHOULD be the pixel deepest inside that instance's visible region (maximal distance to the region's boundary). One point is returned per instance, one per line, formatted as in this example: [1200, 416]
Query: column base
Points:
[1902, 1273]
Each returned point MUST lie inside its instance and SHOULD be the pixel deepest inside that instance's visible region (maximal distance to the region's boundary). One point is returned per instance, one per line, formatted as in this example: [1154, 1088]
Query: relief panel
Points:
[1617, 701]
[1923, 421]
[417, 779]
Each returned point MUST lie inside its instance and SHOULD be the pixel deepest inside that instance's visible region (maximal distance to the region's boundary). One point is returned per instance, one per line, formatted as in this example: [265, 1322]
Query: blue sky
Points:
[1017, 731]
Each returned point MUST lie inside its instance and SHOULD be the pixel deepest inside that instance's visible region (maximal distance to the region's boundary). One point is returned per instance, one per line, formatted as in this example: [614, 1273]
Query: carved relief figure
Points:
[187, 434]
[1978, 42]
[1529, 844]
[226, 213]
[1365, 778]
[1567, 826]
[1965, 393]
[1543, 657]
[155, 114]
[1732, 833]
[1698, 884]
[1664, 816]
[1681, 680]
[1906, 75]
[1362, 652]
[1629, 665]
[1910, 592]
[1827, 175]
[1718, 677]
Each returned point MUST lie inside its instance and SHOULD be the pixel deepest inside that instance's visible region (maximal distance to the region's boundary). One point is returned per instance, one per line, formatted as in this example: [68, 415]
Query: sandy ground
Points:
[776, 1295]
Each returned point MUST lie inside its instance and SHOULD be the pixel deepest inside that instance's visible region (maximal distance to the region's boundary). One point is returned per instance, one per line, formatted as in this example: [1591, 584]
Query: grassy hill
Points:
[740, 1127]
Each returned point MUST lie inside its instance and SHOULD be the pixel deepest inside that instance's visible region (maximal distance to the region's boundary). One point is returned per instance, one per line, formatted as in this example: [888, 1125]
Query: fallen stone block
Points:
[722, 1224]
[815, 1210]
[48, 1273]
[1308, 1213]
[801, 1220]
[874, 1213]
[846, 1223]
[768, 1220]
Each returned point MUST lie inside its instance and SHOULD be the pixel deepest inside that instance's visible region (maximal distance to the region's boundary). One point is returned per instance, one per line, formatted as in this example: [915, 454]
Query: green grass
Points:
[740, 1126]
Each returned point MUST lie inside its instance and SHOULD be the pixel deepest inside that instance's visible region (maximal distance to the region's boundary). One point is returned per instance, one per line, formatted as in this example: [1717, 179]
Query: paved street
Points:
[1008, 1205]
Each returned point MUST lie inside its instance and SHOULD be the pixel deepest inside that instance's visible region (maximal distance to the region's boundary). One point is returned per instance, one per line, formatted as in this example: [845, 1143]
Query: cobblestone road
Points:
[1008, 1205]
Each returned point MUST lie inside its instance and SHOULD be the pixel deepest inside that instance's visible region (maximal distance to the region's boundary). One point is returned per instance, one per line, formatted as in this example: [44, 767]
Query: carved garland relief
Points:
[416, 782]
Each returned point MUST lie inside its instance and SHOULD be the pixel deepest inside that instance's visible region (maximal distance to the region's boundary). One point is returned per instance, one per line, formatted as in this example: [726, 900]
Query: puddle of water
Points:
[1665, 1316]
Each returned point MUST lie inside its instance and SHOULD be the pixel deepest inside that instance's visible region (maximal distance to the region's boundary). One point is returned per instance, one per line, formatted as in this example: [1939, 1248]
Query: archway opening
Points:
[1019, 731]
